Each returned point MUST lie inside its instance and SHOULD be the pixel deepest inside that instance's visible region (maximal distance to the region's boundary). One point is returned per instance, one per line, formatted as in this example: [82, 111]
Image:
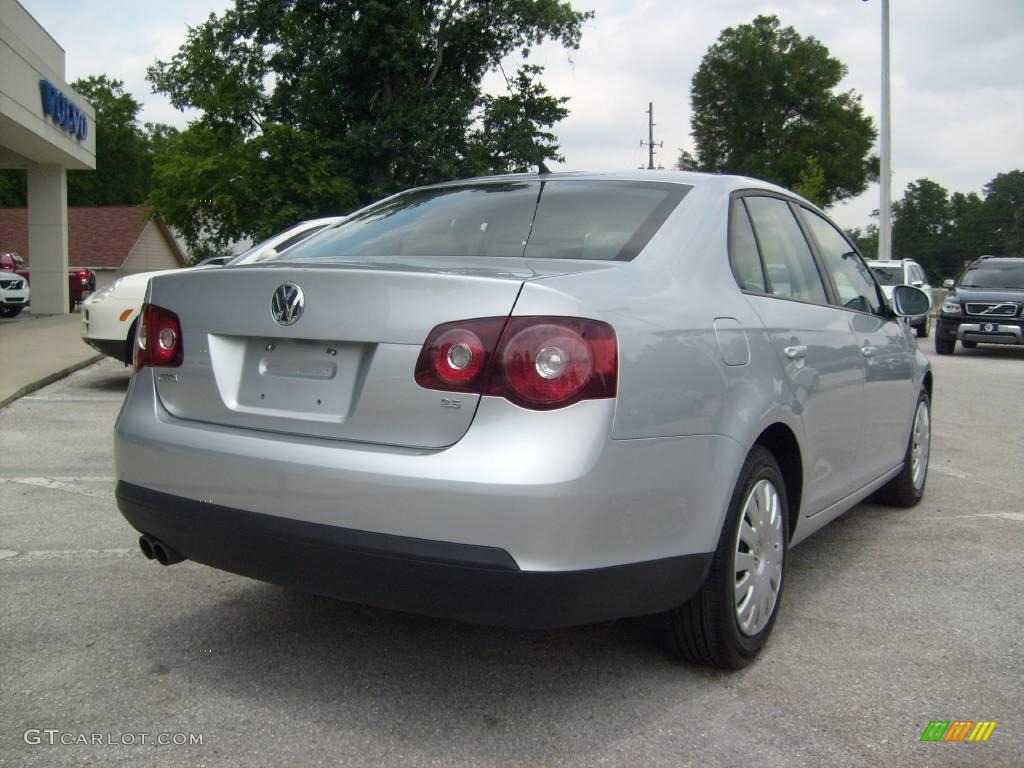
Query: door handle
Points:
[795, 352]
[867, 350]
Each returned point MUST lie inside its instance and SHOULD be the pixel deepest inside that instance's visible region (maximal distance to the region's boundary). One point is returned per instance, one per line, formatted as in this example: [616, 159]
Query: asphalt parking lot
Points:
[890, 619]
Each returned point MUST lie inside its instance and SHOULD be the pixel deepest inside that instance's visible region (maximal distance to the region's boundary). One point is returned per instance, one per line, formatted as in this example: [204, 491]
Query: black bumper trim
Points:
[109, 347]
[461, 581]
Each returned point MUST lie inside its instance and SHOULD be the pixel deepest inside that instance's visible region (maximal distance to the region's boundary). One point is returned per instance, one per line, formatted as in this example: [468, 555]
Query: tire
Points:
[970, 344]
[707, 629]
[906, 489]
[10, 311]
[944, 346]
[924, 328]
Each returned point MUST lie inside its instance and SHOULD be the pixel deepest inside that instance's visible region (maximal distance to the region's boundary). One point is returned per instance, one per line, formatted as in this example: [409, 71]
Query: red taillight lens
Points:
[539, 363]
[158, 339]
[455, 355]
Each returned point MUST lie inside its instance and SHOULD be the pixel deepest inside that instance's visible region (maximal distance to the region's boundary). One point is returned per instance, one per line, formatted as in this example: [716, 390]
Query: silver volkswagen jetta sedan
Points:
[533, 400]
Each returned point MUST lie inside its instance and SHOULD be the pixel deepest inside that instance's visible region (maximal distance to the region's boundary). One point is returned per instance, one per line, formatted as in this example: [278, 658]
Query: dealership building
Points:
[45, 128]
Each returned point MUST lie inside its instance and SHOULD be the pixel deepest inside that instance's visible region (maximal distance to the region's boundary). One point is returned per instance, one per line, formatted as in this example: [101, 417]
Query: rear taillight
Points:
[539, 363]
[158, 339]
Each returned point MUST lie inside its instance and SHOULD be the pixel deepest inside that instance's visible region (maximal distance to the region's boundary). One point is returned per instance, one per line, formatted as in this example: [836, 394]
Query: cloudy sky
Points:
[958, 97]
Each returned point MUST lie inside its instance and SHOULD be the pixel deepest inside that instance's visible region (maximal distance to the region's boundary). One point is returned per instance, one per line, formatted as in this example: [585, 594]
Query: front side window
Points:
[556, 219]
[853, 280]
[792, 272]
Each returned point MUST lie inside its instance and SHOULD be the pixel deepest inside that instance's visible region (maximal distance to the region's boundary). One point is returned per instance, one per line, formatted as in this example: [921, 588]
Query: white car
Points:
[14, 294]
[109, 316]
[905, 272]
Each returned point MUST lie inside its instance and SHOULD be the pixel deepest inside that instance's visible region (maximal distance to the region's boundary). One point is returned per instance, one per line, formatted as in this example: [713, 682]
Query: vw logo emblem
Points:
[287, 304]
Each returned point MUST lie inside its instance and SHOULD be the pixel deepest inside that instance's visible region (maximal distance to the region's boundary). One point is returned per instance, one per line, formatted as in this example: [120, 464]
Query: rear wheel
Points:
[730, 618]
[907, 488]
[944, 346]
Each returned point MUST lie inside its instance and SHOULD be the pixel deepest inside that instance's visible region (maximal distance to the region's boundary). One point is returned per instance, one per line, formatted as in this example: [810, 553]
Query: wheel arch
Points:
[780, 441]
[927, 384]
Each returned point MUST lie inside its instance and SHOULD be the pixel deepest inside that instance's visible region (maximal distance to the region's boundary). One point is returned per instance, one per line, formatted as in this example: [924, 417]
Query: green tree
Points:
[380, 95]
[922, 226]
[1003, 212]
[13, 192]
[866, 240]
[765, 105]
[971, 234]
[123, 172]
[215, 186]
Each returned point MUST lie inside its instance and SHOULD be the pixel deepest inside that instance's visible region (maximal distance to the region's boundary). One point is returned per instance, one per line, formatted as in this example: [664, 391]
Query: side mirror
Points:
[908, 301]
[949, 284]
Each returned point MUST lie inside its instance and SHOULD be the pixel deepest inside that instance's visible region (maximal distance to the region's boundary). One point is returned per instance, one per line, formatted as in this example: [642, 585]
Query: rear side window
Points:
[792, 272]
[551, 219]
[854, 283]
[746, 263]
[888, 275]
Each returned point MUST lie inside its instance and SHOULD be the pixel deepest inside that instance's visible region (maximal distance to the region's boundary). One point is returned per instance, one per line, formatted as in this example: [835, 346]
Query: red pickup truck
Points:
[80, 281]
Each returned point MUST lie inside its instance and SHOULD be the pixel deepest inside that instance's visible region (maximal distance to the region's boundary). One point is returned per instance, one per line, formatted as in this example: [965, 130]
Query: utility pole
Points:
[650, 137]
[885, 147]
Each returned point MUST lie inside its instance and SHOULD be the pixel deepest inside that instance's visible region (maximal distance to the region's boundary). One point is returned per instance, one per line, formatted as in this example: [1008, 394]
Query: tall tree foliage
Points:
[360, 97]
[765, 105]
[922, 225]
[942, 230]
[124, 148]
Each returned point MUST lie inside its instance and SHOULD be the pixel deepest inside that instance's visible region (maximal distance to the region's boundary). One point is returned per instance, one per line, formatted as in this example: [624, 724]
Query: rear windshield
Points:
[888, 275]
[563, 219]
[986, 274]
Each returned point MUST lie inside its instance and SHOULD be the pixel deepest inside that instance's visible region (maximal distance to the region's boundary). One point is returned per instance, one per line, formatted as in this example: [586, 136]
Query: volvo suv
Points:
[985, 306]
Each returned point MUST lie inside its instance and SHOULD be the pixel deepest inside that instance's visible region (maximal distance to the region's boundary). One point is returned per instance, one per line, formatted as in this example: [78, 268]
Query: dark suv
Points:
[986, 306]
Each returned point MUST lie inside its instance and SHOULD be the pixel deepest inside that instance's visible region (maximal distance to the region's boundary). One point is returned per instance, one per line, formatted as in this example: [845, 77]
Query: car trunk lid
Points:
[345, 368]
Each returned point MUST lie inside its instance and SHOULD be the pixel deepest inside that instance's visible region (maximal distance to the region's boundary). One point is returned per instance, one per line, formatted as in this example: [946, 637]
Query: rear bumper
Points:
[467, 582]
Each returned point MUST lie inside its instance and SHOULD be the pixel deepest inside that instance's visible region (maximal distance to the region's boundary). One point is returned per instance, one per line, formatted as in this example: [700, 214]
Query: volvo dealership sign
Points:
[63, 111]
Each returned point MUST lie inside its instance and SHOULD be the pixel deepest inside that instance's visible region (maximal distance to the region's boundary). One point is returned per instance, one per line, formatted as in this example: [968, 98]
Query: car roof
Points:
[995, 259]
[726, 182]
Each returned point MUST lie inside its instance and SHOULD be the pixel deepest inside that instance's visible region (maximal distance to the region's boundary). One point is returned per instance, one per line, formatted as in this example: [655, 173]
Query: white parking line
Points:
[71, 485]
[30, 399]
[1017, 517]
[950, 472]
[65, 554]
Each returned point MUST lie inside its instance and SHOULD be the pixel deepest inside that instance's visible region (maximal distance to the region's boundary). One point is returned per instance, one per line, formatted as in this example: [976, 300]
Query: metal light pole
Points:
[885, 146]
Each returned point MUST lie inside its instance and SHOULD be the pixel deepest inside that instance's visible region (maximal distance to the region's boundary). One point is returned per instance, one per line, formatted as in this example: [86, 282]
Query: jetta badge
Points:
[287, 304]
